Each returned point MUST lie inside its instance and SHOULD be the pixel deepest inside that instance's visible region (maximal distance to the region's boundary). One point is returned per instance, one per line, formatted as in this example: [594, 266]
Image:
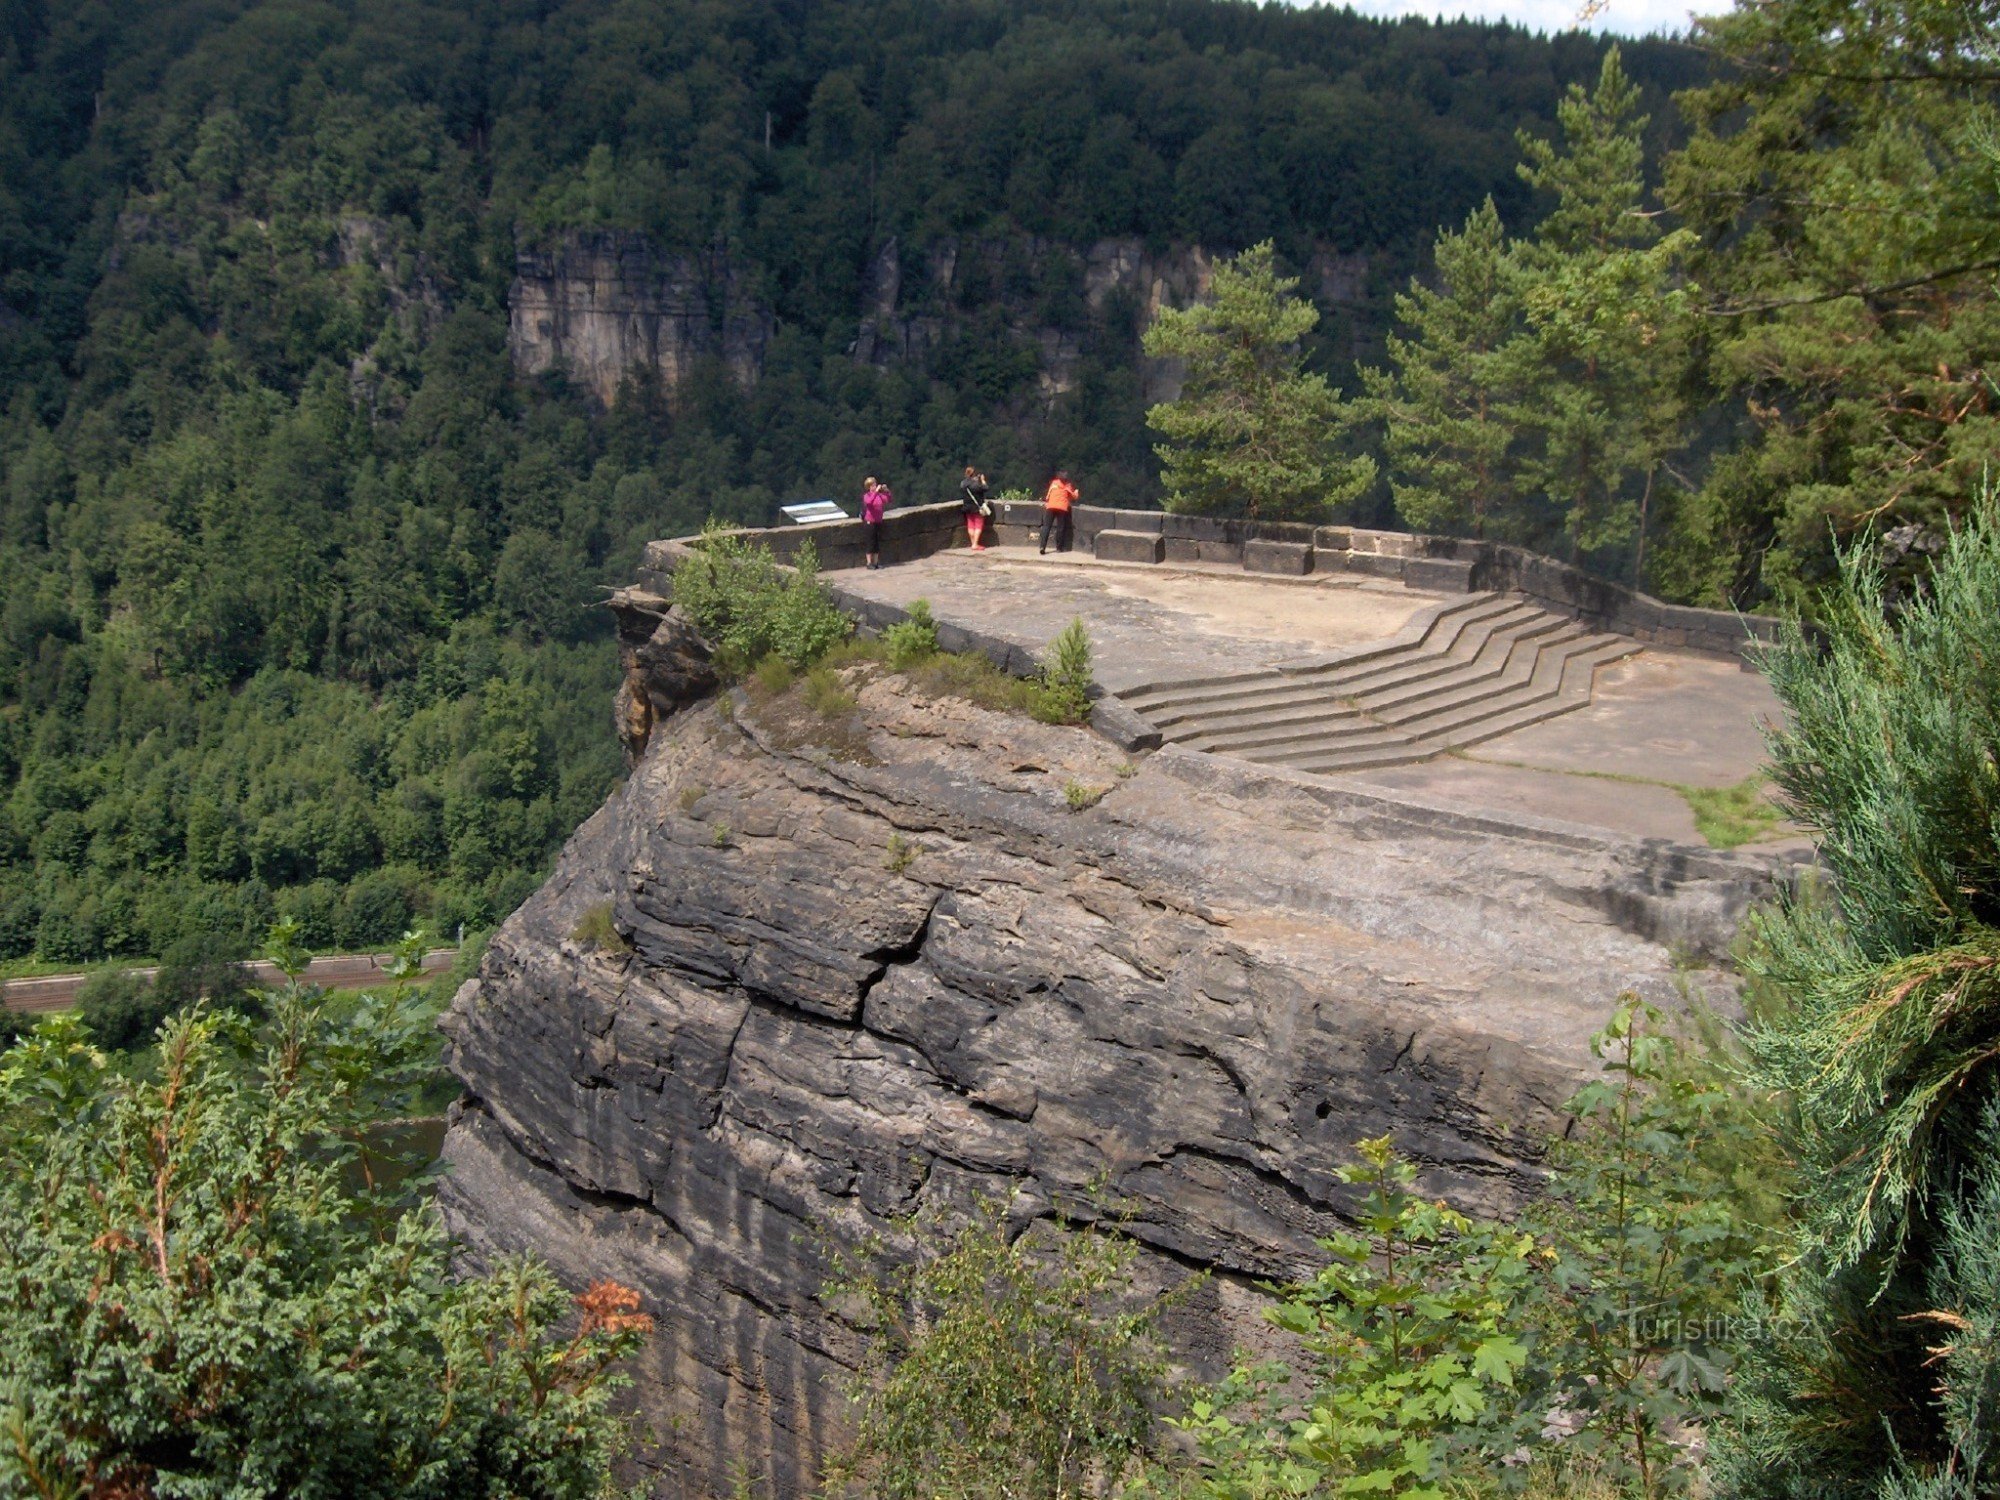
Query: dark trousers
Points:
[1056, 521]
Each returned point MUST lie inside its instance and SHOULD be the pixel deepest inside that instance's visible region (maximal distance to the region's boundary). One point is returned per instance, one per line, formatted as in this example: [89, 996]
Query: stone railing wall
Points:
[1439, 563]
[1278, 548]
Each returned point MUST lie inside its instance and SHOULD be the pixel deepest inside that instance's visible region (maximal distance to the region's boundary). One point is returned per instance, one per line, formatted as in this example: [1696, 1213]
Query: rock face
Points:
[877, 963]
[606, 303]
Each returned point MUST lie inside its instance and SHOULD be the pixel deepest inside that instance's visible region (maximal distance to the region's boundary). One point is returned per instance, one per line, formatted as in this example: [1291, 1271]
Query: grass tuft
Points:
[596, 931]
[1728, 816]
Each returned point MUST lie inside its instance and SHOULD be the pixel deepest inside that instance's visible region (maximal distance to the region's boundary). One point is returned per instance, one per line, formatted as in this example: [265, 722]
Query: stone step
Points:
[1465, 685]
[1505, 660]
[1574, 694]
[1505, 713]
[1325, 728]
[1151, 699]
[1460, 641]
[1305, 756]
[1512, 643]
[1152, 695]
[1272, 690]
[1272, 716]
[1526, 679]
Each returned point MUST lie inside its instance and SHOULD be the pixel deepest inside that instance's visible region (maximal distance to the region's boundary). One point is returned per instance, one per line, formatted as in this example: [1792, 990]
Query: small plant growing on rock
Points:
[1079, 796]
[1062, 696]
[750, 608]
[772, 676]
[596, 931]
[826, 695]
[721, 838]
[902, 853]
[911, 642]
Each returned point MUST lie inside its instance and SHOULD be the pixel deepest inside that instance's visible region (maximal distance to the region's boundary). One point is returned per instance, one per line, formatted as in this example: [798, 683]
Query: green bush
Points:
[1588, 1341]
[1062, 694]
[1003, 1365]
[909, 643]
[121, 1010]
[1883, 1039]
[197, 1304]
[749, 608]
[826, 695]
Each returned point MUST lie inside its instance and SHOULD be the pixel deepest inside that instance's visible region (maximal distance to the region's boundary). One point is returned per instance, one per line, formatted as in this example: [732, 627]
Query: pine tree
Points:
[1600, 396]
[1446, 403]
[1253, 433]
[1840, 181]
[1886, 1041]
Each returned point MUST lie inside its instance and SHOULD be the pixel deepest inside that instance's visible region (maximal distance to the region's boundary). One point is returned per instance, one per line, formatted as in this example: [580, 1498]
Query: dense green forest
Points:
[296, 575]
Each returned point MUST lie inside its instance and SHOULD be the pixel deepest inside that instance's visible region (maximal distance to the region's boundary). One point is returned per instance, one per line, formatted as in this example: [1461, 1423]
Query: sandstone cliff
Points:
[606, 303]
[1199, 990]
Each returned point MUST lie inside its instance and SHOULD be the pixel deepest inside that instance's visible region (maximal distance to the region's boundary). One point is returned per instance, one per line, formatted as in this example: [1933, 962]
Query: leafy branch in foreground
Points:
[198, 1304]
[1004, 1367]
[1582, 1347]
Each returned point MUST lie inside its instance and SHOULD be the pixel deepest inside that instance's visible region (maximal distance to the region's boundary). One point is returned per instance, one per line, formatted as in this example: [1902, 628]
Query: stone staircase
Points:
[1470, 670]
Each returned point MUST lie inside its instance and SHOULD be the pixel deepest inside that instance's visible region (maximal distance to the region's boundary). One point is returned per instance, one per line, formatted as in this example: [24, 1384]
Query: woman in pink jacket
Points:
[875, 500]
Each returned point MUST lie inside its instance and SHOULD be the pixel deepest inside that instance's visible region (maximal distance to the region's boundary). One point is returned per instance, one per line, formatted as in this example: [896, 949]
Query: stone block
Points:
[1195, 528]
[1129, 546]
[1294, 559]
[1124, 727]
[1384, 543]
[1137, 520]
[1182, 549]
[1441, 575]
[1221, 552]
[1333, 538]
[1374, 564]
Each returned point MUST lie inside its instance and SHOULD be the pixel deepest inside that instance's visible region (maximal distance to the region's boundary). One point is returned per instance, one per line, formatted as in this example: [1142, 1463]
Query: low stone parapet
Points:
[1439, 575]
[1129, 546]
[1292, 559]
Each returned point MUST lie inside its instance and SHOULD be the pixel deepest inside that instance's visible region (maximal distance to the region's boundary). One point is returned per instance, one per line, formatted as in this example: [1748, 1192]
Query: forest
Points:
[297, 576]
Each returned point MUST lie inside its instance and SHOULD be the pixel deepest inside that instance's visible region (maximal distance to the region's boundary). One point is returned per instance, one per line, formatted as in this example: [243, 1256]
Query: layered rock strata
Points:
[604, 305]
[877, 963]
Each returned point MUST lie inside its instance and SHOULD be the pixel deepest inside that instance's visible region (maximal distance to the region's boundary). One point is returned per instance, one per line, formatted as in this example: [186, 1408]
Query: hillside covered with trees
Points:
[296, 573]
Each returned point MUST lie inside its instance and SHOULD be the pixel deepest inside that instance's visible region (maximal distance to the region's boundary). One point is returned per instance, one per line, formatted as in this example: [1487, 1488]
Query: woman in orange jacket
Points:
[1056, 512]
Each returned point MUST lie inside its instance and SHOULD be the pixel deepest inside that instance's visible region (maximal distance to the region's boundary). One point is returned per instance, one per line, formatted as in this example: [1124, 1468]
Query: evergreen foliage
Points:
[1602, 404]
[750, 608]
[1061, 695]
[1840, 177]
[198, 1303]
[1535, 396]
[1449, 403]
[1253, 432]
[1885, 1042]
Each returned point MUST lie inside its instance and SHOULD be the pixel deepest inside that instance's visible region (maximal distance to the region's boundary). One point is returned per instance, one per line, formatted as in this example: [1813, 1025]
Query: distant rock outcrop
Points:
[869, 966]
[604, 304]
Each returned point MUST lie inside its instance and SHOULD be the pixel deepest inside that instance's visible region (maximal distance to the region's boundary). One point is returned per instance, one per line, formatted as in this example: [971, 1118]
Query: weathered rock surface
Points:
[1199, 990]
[606, 304]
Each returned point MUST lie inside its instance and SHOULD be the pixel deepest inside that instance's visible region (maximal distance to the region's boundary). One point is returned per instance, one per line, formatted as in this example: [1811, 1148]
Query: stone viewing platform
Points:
[1472, 674]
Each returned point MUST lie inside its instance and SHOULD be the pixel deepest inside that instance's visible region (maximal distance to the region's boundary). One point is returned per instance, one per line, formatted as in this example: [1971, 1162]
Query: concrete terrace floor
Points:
[1662, 716]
